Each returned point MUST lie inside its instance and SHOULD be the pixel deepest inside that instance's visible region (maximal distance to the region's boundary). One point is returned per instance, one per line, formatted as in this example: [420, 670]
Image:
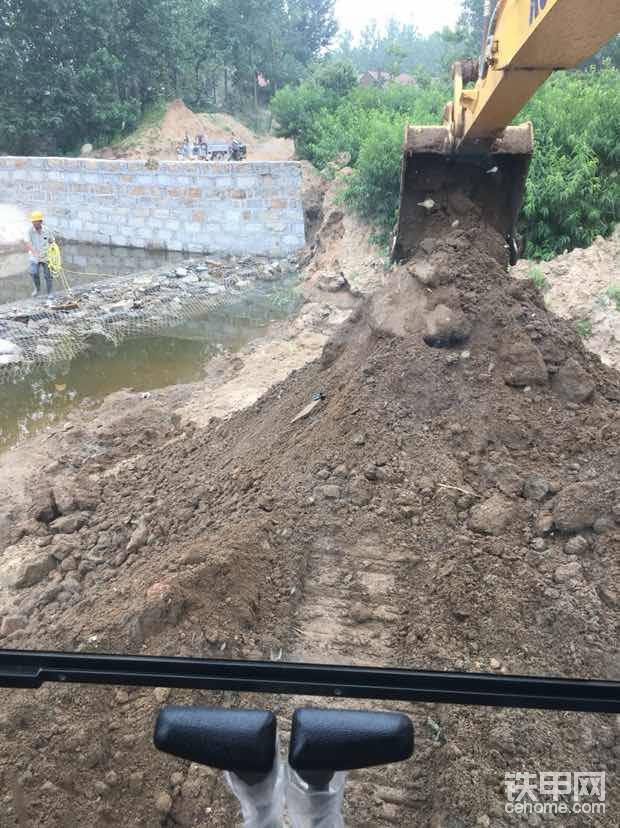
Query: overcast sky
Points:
[428, 15]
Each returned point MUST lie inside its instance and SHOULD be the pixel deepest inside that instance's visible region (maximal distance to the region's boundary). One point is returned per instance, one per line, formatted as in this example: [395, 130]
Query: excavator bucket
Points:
[442, 187]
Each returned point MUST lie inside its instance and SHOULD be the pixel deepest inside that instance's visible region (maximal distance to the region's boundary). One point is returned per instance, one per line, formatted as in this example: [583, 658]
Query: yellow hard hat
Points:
[37, 215]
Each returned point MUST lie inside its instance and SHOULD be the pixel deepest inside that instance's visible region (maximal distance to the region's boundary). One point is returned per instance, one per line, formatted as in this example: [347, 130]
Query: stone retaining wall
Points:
[199, 207]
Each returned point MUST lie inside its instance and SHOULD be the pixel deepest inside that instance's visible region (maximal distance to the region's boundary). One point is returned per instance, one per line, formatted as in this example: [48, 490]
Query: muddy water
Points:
[83, 263]
[176, 355]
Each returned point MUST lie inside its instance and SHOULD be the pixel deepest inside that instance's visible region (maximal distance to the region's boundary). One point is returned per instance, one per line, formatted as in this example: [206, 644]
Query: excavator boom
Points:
[526, 41]
[476, 163]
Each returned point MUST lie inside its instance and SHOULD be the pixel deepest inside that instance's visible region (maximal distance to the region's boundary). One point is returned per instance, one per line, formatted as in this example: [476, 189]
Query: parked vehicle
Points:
[206, 150]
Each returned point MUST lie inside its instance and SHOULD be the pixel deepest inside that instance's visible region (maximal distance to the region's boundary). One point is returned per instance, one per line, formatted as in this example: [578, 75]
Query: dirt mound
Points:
[452, 502]
[584, 286]
[222, 127]
[178, 120]
[161, 141]
[313, 189]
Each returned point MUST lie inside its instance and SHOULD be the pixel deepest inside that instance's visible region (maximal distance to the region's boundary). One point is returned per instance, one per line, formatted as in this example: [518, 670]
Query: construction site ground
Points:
[452, 503]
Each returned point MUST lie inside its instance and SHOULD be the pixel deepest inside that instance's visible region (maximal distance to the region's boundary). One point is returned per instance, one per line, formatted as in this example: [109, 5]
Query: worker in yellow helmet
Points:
[38, 242]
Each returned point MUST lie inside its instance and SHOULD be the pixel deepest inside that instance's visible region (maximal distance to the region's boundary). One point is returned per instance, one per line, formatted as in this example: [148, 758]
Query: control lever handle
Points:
[327, 743]
[339, 740]
[243, 743]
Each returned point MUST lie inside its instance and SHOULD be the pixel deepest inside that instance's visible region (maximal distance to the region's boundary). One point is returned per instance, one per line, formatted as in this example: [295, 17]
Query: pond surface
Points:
[171, 356]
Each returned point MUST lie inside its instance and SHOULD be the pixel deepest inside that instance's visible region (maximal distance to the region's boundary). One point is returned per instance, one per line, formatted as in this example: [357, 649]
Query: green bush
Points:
[373, 188]
[573, 189]
[296, 111]
[339, 76]
[536, 275]
[325, 124]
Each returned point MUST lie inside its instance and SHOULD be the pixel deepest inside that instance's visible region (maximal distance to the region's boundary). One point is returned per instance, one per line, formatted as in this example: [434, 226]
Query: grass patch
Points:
[153, 115]
[536, 276]
[285, 295]
[218, 121]
[151, 119]
[259, 121]
[613, 292]
[584, 328]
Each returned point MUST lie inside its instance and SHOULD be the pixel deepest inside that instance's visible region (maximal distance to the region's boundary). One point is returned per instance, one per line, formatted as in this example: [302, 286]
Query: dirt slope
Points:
[344, 243]
[222, 127]
[161, 141]
[582, 286]
[444, 507]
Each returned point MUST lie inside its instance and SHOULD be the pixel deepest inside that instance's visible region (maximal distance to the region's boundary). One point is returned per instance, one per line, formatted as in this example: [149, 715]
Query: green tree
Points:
[573, 189]
[395, 55]
[87, 70]
[610, 52]
[339, 76]
[469, 26]
[75, 70]
[398, 48]
[465, 40]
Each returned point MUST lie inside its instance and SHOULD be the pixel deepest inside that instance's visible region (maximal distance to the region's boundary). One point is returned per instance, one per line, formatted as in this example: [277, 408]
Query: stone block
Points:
[276, 226]
[246, 182]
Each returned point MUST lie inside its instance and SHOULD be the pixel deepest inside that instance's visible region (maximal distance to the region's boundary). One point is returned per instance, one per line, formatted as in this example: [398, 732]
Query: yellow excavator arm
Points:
[525, 41]
[475, 158]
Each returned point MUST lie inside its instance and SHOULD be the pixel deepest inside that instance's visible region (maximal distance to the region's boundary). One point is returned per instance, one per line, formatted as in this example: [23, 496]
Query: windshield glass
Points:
[298, 366]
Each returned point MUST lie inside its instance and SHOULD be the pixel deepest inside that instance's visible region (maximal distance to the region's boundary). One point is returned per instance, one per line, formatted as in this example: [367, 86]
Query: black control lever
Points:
[324, 744]
[241, 741]
[339, 740]
[244, 743]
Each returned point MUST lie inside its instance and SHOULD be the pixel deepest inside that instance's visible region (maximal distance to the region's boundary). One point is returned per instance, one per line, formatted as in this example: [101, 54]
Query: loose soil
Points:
[453, 502]
[582, 286]
[161, 141]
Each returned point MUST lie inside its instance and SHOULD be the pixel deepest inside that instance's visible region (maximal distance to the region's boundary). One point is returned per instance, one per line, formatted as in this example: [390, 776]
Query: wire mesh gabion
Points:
[109, 310]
